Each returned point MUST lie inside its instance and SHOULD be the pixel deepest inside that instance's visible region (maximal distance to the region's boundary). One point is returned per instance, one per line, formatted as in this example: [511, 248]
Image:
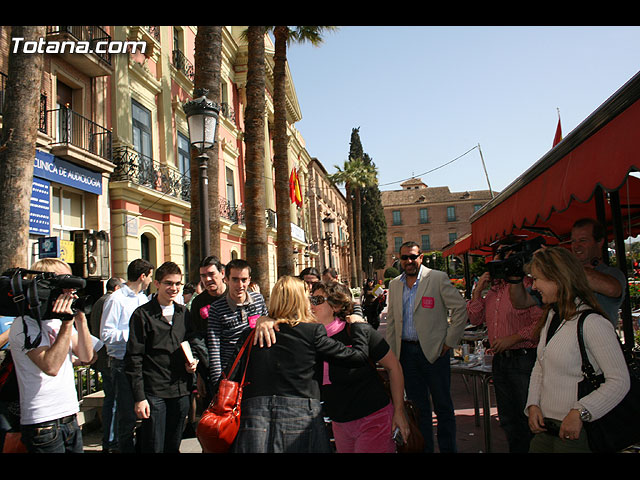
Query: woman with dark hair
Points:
[363, 416]
[555, 412]
[281, 410]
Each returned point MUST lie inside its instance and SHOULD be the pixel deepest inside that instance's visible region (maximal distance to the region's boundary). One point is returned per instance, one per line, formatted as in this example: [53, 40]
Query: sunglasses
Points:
[409, 257]
[317, 299]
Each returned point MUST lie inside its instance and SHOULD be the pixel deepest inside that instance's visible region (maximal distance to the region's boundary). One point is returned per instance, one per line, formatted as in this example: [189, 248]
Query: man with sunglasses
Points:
[421, 336]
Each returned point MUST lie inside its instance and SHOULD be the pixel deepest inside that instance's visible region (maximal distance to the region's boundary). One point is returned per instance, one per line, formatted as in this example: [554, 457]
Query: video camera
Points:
[511, 268]
[35, 296]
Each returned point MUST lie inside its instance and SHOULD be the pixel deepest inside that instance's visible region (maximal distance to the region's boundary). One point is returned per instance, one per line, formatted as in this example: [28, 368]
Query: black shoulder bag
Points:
[620, 428]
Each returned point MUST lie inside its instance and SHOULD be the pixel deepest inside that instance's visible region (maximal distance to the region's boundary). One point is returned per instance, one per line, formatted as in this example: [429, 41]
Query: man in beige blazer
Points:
[421, 336]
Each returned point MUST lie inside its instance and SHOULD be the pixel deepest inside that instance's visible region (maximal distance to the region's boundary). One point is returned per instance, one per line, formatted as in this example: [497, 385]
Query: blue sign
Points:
[40, 207]
[60, 171]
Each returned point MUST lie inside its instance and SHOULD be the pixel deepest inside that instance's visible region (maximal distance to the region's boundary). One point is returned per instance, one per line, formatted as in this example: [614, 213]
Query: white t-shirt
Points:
[42, 397]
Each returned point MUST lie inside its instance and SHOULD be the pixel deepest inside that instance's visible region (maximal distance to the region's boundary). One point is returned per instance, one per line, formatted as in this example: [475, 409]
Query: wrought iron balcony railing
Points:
[91, 34]
[66, 127]
[141, 170]
[182, 64]
[231, 212]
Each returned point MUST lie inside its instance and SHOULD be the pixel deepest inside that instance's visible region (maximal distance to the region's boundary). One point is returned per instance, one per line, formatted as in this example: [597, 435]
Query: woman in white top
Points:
[556, 415]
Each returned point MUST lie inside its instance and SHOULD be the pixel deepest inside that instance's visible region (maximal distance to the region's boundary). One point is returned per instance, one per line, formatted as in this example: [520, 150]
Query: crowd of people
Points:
[318, 354]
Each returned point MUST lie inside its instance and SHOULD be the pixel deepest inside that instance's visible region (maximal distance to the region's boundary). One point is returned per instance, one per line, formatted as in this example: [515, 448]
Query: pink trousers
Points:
[370, 434]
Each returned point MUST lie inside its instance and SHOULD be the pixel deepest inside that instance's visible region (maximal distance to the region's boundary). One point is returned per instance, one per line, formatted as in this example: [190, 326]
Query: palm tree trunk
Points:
[256, 234]
[208, 57]
[358, 234]
[284, 254]
[352, 237]
[17, 148]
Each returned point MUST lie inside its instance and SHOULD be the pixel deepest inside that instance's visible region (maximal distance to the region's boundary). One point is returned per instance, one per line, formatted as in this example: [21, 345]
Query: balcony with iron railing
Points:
[68, 128]
[231, 211]
[141, 170]
[183, 65]
[96, 61]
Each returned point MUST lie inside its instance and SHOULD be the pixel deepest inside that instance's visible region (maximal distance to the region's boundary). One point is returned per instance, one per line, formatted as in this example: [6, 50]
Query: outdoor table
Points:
[482, 373]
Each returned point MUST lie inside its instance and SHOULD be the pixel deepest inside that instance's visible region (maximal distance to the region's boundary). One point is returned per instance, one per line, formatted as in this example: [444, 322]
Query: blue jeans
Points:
[511, 374]
[109, 427]
[56, 436]
[426, 382]
[274, 424]
[125, 413]
[162, 431]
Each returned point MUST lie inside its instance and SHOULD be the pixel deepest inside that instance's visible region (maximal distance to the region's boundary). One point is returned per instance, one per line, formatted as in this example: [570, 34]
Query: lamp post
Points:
[202, 118]
[328, 222]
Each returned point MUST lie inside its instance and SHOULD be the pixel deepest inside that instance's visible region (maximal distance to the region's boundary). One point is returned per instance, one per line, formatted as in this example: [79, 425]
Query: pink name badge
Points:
[428, 302]
[252, 320]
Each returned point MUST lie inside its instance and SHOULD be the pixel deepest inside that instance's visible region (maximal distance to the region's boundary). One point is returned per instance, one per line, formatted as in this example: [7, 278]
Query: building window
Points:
[452, 236]
[477, 207]
[67, 212]
[184, 158]
[397, 243]
[231, 189]
[141, 125]
[426, 243]
[451, 214]
[424, 215]
[397, 217]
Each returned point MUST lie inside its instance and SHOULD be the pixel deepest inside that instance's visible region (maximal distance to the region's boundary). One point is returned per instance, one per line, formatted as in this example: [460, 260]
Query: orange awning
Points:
[560, 188]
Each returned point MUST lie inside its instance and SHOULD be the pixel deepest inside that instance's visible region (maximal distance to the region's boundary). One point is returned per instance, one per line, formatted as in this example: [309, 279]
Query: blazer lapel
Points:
[422, 286]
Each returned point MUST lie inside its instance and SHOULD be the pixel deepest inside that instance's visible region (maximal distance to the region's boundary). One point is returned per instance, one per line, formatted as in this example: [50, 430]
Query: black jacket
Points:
[154, 361]
[293, 366]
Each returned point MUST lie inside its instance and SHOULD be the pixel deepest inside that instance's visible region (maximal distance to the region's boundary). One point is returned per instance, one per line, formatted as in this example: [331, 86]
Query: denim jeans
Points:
[425, 382]
[274, 424]
[511, 375]
[125, 413]
[162, 431]
[56, 436]
[109, 425]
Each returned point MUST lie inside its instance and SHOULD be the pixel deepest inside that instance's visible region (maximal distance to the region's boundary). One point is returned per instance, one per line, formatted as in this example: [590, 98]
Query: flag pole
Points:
[485, 171]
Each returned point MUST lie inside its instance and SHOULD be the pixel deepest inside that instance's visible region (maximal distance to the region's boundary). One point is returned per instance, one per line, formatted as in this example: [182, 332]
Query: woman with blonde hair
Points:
[555, 412]
[281, 409]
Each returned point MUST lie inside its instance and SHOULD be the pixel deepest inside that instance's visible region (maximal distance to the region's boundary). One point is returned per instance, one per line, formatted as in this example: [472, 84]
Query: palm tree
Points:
[283, 36]
[254, 202]
[208, 58]
[355, 175]
[20, 119]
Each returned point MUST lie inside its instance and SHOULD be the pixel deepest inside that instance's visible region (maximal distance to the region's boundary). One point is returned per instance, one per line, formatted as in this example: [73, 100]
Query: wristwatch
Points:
[585, 415]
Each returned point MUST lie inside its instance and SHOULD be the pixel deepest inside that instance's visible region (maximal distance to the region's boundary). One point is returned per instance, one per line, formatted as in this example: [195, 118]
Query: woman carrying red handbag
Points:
[281, 409]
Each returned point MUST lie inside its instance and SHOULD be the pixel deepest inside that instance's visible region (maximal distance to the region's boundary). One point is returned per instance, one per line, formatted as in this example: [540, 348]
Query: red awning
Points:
[462, 246]
[560, 187]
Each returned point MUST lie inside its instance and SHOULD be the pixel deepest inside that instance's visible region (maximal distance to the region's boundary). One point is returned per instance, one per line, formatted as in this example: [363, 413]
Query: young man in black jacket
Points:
[160, 372]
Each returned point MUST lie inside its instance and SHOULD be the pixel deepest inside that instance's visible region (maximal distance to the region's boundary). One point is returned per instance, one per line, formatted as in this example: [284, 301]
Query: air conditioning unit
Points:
[92, 254]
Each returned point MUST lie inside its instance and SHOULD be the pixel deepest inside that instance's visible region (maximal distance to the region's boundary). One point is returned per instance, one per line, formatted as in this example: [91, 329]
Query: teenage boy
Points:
[159, 364]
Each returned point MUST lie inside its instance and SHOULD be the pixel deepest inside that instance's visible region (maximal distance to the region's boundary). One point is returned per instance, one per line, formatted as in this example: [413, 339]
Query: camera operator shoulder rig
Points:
[35, 296]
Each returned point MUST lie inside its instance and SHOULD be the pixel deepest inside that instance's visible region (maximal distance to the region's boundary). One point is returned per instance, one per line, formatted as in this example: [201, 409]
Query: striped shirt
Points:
[408, 298]
[502, 319]
[227, 321]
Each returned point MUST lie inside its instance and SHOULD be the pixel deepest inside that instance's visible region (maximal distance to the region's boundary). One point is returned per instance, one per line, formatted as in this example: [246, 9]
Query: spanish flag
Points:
[558, 138]
[294, 188]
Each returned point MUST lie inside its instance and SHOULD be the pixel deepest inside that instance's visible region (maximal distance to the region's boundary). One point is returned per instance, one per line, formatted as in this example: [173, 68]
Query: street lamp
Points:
[328, 222]
[371, 267]
[202, 118]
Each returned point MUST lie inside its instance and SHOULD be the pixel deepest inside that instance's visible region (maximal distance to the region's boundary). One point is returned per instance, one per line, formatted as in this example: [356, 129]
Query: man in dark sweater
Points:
[211, 277]
[159, 365]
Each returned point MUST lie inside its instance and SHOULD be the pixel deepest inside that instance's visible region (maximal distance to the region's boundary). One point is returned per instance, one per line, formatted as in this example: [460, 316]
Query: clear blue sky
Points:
[425, 95]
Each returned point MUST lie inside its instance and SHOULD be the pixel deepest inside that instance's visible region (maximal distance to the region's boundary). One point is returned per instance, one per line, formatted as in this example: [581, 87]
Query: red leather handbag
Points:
[220, 422]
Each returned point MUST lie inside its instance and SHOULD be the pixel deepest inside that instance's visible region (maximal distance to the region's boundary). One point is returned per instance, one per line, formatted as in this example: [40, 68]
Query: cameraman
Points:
[48, 397]
[512, 339]
[607, 282]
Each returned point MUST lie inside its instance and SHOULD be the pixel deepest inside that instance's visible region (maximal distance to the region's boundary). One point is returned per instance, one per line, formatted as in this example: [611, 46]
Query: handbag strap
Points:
[247, 343]
[587, 368]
